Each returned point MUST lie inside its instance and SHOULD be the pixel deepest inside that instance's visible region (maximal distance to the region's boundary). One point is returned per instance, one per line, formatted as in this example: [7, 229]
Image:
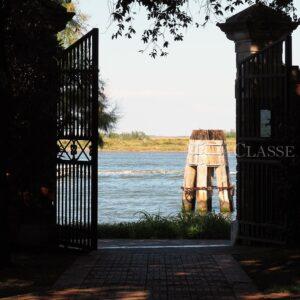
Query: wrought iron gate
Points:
[263, 116]
[77, 140]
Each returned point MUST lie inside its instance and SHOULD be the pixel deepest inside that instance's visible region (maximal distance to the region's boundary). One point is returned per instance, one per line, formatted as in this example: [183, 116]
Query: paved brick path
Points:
[155, 273]
[178, 275]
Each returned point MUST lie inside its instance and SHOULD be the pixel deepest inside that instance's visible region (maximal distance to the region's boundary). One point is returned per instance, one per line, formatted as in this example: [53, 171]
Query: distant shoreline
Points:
[140, 151]
[154, 144]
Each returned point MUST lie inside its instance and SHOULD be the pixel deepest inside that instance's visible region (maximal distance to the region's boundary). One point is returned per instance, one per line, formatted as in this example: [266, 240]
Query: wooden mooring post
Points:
[206, 159]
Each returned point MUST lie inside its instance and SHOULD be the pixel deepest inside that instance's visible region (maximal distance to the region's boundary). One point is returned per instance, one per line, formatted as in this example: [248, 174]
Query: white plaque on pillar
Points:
[265, 123]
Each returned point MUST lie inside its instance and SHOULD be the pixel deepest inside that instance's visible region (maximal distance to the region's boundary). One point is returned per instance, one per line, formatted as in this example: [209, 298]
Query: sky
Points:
[191, 88]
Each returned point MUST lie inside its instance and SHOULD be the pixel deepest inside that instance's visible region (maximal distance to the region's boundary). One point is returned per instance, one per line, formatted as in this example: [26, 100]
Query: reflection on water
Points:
[130, 182]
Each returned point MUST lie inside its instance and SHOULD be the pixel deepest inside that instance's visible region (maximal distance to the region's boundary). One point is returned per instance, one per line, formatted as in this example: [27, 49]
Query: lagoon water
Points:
[131, 182]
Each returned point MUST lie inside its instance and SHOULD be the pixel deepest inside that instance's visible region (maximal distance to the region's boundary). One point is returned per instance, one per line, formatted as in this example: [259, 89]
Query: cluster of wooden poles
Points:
[207, 160]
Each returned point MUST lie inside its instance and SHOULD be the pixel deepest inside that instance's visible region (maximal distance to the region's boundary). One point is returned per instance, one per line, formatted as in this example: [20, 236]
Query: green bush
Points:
[181, 226]
[230, 134]
[134, 135]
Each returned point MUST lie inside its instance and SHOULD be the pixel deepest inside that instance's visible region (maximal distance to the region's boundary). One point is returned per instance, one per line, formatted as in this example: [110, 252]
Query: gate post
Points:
[252, 30]
[255, 28]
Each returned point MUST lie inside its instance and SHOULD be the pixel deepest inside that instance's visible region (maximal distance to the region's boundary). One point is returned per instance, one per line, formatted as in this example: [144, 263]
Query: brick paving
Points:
[163, 275]
[176, 273]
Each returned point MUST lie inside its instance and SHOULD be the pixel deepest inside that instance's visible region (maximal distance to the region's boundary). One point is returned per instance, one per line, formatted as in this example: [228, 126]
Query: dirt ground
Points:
[34, 271]
[275, 271]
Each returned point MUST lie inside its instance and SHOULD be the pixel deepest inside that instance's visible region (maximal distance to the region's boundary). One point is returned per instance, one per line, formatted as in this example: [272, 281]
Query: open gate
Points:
[263, 120]
[77, 140]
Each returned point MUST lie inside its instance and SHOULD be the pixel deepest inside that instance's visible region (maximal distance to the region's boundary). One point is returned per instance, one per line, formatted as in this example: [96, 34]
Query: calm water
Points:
[131, 182]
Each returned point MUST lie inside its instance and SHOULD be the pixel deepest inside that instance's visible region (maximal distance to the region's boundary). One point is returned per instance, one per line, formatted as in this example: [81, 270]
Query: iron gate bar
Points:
[95, 139]
[77, 169]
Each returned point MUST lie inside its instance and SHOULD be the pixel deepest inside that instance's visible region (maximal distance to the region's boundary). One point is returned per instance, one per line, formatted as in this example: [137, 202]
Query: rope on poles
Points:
[208, 188]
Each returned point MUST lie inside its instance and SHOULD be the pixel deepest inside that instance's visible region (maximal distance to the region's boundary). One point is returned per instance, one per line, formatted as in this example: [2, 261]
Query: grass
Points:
[164, 144]
[146, 144]
[181, 226]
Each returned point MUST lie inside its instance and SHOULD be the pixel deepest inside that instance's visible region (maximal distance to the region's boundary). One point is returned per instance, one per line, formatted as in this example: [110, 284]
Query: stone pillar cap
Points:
[258, 22]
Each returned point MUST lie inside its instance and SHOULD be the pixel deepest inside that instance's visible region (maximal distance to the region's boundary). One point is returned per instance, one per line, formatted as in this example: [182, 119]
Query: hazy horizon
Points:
[165, 136]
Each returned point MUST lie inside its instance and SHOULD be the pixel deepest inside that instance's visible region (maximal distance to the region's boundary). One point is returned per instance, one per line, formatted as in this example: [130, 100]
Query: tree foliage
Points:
[29, 81]
[169, 19]
[75, 27]
[108, 117]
